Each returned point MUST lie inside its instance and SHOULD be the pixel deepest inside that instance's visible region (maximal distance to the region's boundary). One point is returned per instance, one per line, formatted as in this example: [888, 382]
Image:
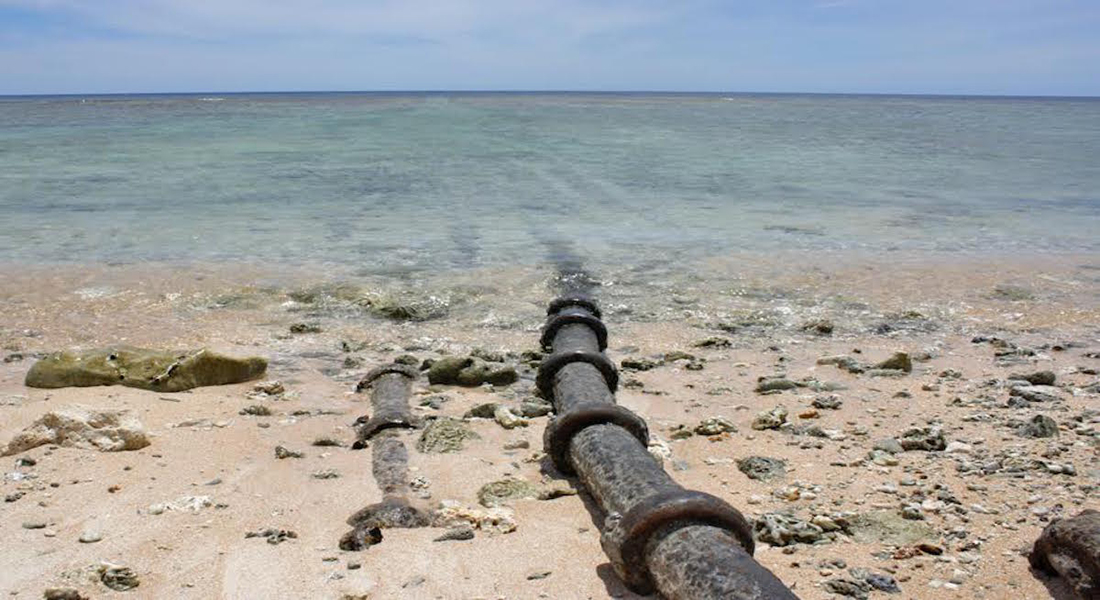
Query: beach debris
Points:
[82, 427]
[154, 370]
[506, 419]
[1070, 548]
[458, 534]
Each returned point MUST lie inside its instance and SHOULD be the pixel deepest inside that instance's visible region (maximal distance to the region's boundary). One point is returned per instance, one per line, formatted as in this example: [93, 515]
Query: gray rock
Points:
[832, 402]
[852, 588]
[780, 529]
[118, 578]
[457, 534]
[282, 452]
[775, 384]
[63, 594]
[927, 439]
[770, 419]
[762, 468]
[469, 371]
[1039, 426]
[1037, 378]
[715, 426]
[889, 445]
[900, 361]
[1035, 393]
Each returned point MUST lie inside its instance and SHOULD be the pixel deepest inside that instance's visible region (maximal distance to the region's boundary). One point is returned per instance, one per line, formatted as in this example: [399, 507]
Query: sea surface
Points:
[390, 183]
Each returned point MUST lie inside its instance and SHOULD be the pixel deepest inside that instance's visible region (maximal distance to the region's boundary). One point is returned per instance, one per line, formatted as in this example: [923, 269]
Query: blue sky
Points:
[1027, 47]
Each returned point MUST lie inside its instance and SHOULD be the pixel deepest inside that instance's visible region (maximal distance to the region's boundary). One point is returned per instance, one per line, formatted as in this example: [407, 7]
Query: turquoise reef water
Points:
[390, 182]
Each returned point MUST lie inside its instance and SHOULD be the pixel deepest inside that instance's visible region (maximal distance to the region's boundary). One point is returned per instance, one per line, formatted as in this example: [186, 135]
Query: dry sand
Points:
[985, 500]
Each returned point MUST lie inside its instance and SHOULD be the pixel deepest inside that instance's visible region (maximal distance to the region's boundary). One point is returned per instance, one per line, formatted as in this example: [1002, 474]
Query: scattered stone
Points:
[713, 342]
[192, 504]
[775, 384]
[887, 527]
[818, 326]
[1071, 548]
[269, 388]
[762, 468]
[282, 452]
[770, 419]
[482, 411]
[34, 524]
[538, 575]
[274, 536]
[256, 410]
[82, 427]
[852, 588]
[63, 594]
[117, 577]
[843, 361]
[831, 402]
[779, 529]
[469, 371]
[900, 361]
[326, 474]
[1035, 393]
[90, 536]
[500, 492]
[1037, 378]
[927, 439]
[327, 442]
[506, 419]
[715, 426]
[639, 364]
[533, 410]
[300, 328]
[360, 538]
[458, 534]
[453, 514]
[146, 369]
[445, 436]
[1039, 426]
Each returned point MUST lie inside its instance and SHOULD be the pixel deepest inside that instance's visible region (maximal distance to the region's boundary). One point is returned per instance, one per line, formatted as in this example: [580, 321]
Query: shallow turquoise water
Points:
[405, 182]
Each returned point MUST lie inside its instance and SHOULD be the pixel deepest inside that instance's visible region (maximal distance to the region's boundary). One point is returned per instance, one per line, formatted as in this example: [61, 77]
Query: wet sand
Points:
[983, 518]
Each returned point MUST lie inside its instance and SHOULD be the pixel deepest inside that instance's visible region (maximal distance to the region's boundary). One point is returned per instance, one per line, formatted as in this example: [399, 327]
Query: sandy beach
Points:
[972, 509]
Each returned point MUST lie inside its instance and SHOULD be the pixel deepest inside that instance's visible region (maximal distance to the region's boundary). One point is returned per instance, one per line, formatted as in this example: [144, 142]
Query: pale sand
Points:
[243, 310]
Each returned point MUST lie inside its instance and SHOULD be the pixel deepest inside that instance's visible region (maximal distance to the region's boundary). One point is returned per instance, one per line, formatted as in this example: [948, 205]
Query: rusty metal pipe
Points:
[390, 386]
[659, 536]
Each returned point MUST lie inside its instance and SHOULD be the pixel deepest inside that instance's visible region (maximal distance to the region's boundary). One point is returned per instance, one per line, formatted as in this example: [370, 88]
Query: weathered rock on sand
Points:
[444, 435]
[82, 427]
[469, 371]
[1071, 548]
[141, 368]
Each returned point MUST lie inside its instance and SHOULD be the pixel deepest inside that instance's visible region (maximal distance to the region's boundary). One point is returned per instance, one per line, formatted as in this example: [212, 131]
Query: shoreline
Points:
[765, 316]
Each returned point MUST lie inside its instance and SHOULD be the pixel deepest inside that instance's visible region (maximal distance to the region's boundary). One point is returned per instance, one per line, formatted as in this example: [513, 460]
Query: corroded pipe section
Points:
[1071, 548]
[390, 389]
[659, 536]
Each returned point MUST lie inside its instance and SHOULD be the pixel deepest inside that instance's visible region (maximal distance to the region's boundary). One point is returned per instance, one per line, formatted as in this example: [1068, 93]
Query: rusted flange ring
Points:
[561, 430]
[554, 363]
[557, 304]
[380, 423]
[679, 505]
[569, 316]
[375, 373]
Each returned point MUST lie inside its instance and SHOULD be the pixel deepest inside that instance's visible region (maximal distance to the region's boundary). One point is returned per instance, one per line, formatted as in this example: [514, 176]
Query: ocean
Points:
[407, 182]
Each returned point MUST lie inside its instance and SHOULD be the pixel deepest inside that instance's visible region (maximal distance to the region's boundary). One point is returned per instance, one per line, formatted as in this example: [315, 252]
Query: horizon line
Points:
[555, 91]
